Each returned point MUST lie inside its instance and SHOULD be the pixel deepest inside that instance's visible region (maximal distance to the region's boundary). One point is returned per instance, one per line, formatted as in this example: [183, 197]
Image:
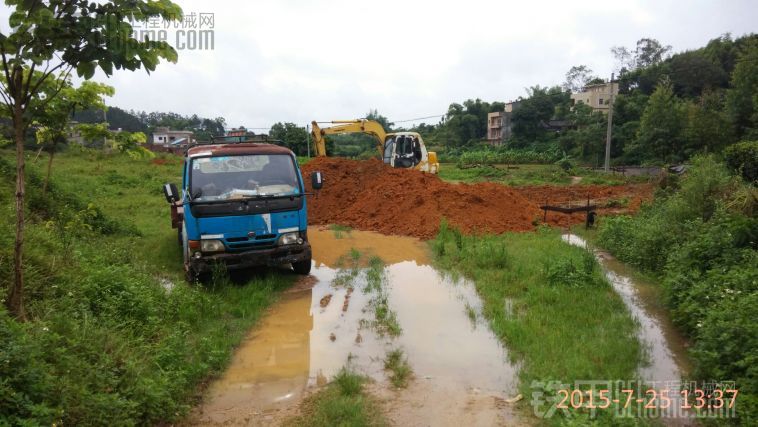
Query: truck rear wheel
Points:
[302, 267]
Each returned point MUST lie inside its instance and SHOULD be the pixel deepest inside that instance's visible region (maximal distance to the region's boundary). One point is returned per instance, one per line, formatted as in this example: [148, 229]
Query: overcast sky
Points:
[299, 60]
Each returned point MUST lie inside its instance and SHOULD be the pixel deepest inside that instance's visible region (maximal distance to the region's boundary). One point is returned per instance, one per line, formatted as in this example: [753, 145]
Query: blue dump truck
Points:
[241, 205]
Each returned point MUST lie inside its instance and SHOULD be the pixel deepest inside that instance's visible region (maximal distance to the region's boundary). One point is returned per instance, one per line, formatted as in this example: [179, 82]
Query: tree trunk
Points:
[15, 302]
[49, 170]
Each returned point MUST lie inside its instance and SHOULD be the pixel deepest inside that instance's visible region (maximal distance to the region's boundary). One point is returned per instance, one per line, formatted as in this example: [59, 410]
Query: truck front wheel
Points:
[302, 267]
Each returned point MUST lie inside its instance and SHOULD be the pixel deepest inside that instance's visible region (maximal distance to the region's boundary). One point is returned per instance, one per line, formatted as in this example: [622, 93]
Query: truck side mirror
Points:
[317, 181]
[171, 193]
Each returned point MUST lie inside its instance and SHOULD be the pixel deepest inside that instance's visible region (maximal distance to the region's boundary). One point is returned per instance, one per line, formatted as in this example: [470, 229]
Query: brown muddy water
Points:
[665, 348]
[461, 371]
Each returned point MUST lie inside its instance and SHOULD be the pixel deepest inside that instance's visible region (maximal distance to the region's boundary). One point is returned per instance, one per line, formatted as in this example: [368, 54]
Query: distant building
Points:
[596, 96]
[237, 132]
[500, 124]
[495, 127]
[167, 137]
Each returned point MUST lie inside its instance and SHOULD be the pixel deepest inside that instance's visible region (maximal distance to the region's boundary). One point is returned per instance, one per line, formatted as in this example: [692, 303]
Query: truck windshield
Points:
[239, 177]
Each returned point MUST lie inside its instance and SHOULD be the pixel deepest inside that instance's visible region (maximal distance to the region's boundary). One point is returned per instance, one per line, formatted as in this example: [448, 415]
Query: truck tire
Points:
[302, 267]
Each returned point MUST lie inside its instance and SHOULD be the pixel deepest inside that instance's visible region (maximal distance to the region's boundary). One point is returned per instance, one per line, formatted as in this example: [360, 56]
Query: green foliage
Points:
[742, 159]
[291, 136]
[115, 336]
[704, 249]
[342, 403]
[533, 112]
[742, 97]
[659, 135]
[504, 155]
[397, 364]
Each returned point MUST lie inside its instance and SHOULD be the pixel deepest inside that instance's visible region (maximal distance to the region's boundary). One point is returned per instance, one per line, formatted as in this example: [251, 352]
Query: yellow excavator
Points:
[399, 150]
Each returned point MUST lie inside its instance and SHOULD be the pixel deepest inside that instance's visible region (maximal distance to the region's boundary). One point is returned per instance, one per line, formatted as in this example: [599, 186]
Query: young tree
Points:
[46, 41]
[660, 133]
[707, 125]
[54, 120]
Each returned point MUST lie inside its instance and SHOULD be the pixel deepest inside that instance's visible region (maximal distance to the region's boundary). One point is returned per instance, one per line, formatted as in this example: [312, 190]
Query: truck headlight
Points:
[290, 239]
[212, 246]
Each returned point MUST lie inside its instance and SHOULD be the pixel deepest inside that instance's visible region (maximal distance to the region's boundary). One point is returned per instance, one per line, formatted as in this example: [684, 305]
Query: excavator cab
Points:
[402, 151]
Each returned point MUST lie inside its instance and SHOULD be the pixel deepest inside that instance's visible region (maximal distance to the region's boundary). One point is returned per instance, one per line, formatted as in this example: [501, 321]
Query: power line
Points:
[418, 118]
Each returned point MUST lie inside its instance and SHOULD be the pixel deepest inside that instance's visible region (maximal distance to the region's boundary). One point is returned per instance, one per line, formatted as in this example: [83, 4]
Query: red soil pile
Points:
[369, 195]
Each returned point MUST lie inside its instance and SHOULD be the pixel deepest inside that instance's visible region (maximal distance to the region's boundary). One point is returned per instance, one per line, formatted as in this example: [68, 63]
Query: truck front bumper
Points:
[254, 258]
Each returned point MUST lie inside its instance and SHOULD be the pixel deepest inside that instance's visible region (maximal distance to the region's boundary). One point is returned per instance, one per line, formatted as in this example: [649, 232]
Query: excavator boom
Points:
[369, 127]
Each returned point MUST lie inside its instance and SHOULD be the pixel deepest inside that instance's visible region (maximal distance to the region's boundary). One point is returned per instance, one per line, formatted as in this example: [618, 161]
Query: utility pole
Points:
[610, 129]
[308, 139]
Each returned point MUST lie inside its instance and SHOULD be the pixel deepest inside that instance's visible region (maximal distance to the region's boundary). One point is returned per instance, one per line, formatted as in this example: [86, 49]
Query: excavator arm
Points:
[369, 127]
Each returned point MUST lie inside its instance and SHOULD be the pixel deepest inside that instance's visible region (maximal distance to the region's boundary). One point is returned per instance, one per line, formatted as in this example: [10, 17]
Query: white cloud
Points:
[298, 60]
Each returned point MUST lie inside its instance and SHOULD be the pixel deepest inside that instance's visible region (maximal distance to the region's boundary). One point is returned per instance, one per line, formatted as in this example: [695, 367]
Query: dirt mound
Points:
[372, 196]
[369, 195]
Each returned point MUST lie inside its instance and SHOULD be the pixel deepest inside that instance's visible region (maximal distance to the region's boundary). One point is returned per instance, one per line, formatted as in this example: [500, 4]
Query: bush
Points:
[501, 155]
[742, 158]
[704, 247]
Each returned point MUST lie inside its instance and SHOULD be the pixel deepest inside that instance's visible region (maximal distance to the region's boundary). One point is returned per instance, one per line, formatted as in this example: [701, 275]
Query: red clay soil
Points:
[369, 195]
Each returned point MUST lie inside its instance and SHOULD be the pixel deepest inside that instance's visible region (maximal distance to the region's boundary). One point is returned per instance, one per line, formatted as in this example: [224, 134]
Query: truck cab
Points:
[241, 205]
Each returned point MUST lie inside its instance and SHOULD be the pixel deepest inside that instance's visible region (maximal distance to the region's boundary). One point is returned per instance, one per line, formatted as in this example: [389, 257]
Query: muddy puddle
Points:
[665, 348]
[461, 373]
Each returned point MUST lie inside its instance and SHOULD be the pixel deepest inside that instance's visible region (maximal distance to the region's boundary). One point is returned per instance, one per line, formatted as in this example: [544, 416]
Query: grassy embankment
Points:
[550, 305]
[699, 239]
[115, 335]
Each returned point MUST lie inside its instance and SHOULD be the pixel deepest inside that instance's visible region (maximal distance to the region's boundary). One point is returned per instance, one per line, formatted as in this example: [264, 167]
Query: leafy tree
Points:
[578, 77]
[54, 119]
[374, 115]
[292, 136]
[48, 40]
[707, 125]
[692, 73]
[534, 112]
[649, 52]
[742, 97]
[660, 133]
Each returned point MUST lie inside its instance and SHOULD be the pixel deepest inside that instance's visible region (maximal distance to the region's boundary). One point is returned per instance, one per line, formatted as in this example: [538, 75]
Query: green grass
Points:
[340, 230]
[343, 402]
[565, 323]
[385, 319]
[115, 335]
[400, 370]
[521, 175]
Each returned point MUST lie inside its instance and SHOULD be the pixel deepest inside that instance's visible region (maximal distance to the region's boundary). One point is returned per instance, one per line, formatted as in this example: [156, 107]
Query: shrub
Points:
[742, 158]
[704, 247]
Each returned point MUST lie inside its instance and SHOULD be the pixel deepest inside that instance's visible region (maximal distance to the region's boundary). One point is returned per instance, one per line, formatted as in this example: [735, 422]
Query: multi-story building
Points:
[495, 127]
[596, 96]
[500, 124]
